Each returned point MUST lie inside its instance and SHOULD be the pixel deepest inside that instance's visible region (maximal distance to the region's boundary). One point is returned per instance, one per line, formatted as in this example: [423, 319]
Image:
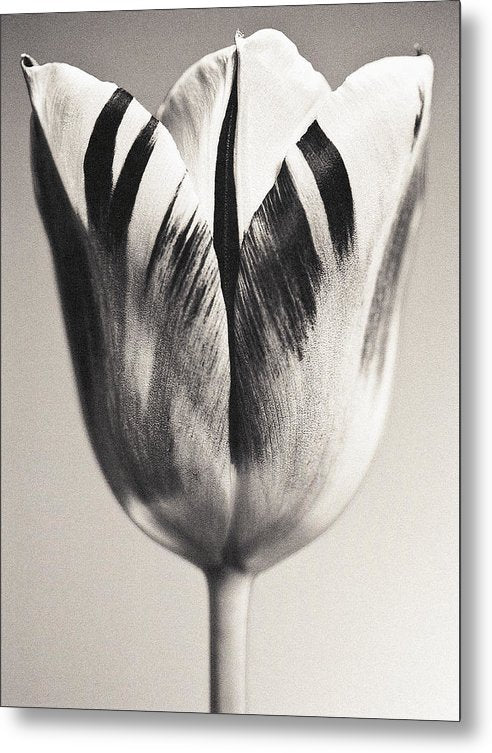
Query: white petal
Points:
[67, 119]
[193, 112]
[278, 94]
[371, 119]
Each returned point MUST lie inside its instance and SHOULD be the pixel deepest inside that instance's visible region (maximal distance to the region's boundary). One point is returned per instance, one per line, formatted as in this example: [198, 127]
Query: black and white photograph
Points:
[230, 360]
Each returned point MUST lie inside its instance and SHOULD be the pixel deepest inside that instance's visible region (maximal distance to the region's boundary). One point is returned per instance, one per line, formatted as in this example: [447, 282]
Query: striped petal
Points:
[273, 92]
[316, 309]
[278, 94]
[193, 112]
[140, 290]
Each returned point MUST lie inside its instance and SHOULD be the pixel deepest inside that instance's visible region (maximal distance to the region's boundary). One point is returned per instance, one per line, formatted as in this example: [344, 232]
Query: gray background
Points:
[364, 621]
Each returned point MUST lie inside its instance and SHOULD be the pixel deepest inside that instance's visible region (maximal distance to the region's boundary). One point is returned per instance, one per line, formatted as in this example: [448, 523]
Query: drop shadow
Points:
[471, 43]
[76, 720]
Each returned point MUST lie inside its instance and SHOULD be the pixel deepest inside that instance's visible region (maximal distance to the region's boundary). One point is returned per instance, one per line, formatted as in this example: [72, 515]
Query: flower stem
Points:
[229, 592]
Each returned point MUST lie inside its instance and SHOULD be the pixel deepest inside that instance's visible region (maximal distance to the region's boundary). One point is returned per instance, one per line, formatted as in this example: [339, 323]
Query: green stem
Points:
[229, 592]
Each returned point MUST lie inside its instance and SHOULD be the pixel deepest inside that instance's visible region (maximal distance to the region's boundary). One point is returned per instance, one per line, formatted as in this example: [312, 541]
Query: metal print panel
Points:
[230, 360]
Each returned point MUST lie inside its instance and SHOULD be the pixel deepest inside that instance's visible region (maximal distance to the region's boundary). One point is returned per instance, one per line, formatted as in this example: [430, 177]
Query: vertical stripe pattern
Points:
[281, 273]
[219, 361]
[226, 234]
[332, 179]
[98, 161]
[386, 288]
[276, 307]
[226, 242]
[145, 320]
[125, 191]
[110, 210]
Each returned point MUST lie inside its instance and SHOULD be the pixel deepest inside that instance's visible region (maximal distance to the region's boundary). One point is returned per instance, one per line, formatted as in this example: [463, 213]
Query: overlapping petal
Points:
[140, 289]
[277, 95]
[316, 308]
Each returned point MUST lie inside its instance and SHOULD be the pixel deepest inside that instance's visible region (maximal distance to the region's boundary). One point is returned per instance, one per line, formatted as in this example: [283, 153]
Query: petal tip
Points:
[268, 38]
[27, 61]
[28, 65]
[427, 68]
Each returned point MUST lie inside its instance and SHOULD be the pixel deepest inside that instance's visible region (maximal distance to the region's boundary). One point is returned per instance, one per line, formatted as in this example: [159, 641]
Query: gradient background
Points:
[364, 621]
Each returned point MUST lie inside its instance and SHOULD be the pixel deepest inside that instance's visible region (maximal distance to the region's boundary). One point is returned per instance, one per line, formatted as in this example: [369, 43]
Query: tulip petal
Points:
[193, 112]
[140, 290]
[277, 94]
[317, 298]
[372, 118]
[333, 183]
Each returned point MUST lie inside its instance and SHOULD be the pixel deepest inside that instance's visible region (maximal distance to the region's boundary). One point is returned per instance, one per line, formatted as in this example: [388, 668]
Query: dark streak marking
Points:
[281, 271]
[185, 270]
[98, 161]
[185, 244]
[126, 189]
[226, 232]
[198, 286]
[276, 301]
[226, 239]
[89, 315]
[333, 183]
[88, 328]
[161, 241]
[418, 118]
[386, 288]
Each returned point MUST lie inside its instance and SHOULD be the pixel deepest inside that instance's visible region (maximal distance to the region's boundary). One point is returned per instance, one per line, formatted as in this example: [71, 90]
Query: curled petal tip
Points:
[28, 64]
[418, 48]
[239, 34]
[27, 61]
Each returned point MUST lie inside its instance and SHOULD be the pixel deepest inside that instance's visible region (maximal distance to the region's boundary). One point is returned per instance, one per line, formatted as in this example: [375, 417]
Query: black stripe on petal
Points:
[333, 183]
[418, 118]
[226, 232]
[279, 281]
[126, 189]
[280, 272]
[180, 250]
[98, 161]
[162, 241]
[226, 237]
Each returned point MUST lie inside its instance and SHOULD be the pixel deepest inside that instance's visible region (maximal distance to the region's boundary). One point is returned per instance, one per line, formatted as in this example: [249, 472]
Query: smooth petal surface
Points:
[140, 290]
[316, 307]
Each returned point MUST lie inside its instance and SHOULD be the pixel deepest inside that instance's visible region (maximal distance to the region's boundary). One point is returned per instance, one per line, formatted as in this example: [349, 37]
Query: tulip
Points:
[231, 276]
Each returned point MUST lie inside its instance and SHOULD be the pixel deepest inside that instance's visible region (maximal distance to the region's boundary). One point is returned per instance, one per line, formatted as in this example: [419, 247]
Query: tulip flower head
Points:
[231, 275]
